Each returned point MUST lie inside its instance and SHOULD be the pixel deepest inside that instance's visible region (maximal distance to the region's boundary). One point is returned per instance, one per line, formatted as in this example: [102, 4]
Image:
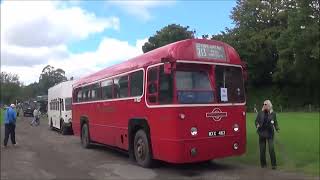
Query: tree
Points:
[49, 77]
[167, 35]
[258, 25]
[298, 65]
[10, 87]
[280, 42]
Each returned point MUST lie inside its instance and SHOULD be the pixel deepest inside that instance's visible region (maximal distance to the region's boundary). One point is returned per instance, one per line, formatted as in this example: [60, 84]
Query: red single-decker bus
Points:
[181, 103]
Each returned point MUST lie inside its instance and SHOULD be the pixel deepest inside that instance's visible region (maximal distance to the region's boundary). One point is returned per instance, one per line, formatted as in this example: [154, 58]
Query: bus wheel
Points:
[63, 128]
[85, 138]
[142, 149]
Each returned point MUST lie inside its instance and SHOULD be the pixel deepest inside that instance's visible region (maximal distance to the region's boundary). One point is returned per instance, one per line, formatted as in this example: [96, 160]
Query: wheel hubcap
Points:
[141, 149]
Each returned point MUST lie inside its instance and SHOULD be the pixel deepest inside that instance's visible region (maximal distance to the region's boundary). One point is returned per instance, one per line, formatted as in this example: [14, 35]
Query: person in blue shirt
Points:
[10, 117]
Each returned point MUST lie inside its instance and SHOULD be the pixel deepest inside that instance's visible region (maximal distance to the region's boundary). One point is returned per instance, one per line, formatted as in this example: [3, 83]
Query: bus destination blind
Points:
[210, 51]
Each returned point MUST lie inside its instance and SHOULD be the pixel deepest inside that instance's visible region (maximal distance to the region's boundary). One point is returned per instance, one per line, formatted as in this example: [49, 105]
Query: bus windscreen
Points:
[193, 87]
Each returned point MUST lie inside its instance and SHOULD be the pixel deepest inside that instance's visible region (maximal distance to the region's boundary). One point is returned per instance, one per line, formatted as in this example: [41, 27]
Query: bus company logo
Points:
[216, 114]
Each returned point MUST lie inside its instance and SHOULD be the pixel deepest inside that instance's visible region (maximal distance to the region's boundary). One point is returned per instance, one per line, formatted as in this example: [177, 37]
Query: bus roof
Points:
[182, 50]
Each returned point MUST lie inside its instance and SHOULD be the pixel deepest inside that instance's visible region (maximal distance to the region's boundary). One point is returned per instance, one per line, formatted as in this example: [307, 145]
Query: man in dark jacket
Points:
[266, 122]
[10, 125]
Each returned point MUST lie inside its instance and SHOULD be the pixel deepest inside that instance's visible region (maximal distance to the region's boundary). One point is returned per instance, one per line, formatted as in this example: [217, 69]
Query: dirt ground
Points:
[45, 154]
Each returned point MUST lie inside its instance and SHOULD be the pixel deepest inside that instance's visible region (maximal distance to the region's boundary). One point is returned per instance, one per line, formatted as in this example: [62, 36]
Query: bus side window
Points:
[62, 105]
[85, 94]
[95, 92]
[152, 85]
[116, 90]
[121, 87]
[107, 89]
[136, 83]
[79, 96]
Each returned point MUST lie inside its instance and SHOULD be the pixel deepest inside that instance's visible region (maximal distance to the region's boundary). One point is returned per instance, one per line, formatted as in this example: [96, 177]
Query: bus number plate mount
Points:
[216, 133]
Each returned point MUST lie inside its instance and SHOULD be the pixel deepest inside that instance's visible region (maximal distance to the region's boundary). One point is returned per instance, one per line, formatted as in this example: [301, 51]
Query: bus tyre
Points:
[63, 128]
[142, 150]
[85, 138]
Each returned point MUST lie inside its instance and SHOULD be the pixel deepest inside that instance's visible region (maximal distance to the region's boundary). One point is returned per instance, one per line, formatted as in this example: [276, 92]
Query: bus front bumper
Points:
[199, 149]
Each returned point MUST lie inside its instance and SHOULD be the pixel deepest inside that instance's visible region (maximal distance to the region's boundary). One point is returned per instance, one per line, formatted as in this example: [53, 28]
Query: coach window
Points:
[107, 89]
[121, 87]
[68, 104]
[165, 87]
[136, 83]
[62, 105]
[95, 91]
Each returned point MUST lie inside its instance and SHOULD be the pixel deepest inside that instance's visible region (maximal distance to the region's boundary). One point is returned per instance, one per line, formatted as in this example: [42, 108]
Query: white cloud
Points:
[110, 51]
[35, 34]
[12, 55]
[142, 8]
[45, 23]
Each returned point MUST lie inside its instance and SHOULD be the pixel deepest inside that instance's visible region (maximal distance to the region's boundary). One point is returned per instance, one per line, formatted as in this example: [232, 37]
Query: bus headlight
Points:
[194, 131]
[235, 127]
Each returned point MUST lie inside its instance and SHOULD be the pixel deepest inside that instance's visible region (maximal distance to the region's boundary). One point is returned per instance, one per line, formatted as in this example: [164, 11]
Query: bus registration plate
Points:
[217, 133]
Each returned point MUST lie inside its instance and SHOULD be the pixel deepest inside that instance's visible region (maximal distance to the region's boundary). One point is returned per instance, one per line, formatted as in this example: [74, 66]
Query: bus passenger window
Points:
[136, 83]
[85, 94]
[107, 89]
[96, 92]
[152, 88]
[122, 84]
[62, 105]
[79, 96]
[153, 74]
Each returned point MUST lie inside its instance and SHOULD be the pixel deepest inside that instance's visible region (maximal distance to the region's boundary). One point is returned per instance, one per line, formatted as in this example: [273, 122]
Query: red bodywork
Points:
[170, 135]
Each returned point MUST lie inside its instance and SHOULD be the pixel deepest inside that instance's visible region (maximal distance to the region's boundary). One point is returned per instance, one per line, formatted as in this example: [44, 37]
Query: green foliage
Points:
[49, 77]
[1, 115]
[167, 35]
[10, 87]
[297, 144]
[279, 40]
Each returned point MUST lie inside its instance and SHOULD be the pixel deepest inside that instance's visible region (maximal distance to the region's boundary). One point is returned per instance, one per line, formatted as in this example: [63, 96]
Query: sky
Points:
[83, 37]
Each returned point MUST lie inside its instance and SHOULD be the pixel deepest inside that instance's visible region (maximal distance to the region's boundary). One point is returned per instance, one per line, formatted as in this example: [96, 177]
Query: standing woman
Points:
[266, 122]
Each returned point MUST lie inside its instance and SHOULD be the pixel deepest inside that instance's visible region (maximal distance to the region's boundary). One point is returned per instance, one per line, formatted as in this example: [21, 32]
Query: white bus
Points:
[59, 107]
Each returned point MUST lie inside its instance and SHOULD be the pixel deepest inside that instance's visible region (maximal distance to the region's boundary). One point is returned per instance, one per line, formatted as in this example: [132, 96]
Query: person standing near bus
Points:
[10, 125]
[266, 122]
[36, 117]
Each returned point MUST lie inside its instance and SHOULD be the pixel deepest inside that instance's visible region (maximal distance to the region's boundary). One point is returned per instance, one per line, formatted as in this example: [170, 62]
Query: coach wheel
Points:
[85, 138]
[142, 149]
